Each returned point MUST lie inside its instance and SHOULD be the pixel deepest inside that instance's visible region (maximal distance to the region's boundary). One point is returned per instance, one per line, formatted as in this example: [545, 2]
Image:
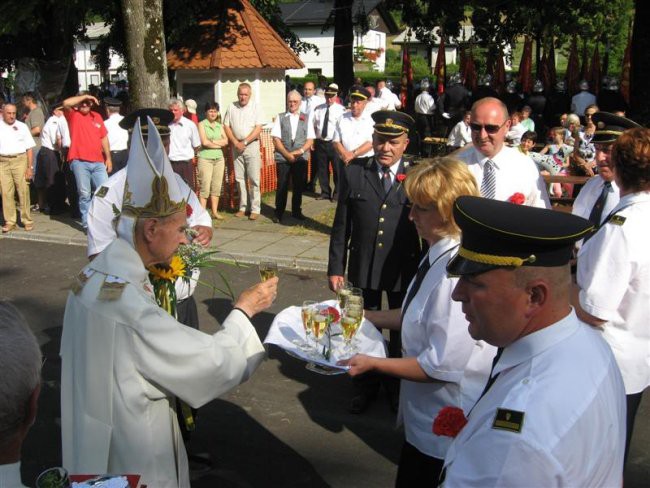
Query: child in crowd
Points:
[560, 151]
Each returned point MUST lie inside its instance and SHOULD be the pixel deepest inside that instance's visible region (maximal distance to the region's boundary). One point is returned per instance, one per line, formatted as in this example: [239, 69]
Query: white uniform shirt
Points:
[242, 120]
[390, 99]
[580, 101]
[614, 278]
[352, 132]
[460, 135]
[101, 220]
[52, 129]
[335, 113]
[424, 103]
[434, 330]
[307, 105]
[123, 363]
[15, 138]
[276, 131]
[516, 173]
[565, 381]
[118, 138]
[374, 105]
[183, 139]
[10, 476]
[588, 195]
[515, 133]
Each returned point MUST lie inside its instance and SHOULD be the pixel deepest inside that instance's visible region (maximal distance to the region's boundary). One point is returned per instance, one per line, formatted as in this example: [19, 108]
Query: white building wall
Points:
[88, 74]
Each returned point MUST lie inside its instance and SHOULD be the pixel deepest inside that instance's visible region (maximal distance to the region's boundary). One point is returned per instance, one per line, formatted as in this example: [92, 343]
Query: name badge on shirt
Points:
[101, 193]
[617, 220]
[510, 420]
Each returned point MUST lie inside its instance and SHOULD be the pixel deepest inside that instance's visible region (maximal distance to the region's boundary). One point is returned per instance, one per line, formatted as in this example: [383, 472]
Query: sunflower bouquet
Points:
[188, 259]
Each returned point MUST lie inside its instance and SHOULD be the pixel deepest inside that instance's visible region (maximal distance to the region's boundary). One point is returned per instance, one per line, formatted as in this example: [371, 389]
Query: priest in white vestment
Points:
[124, 359]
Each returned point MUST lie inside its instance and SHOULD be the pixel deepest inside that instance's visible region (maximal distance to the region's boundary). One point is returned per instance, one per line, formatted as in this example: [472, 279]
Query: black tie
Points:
[491, 379]
[386, 181]
[419, 278]
[597, 211]
[325, 124]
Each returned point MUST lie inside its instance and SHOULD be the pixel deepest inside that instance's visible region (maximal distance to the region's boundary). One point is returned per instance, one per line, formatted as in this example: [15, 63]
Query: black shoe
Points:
[298, 216]
[323, 196]
[276, 219]
[360, 403]
[335, 197]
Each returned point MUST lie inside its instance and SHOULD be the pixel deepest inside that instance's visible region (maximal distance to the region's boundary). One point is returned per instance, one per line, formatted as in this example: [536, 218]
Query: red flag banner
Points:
[594, 72]
[470, 72]
[526, 66]
[407, 77]
[584, 69]
[572, 73]
[440, 69]
[627, 68]
[500, 73]
[543, 74]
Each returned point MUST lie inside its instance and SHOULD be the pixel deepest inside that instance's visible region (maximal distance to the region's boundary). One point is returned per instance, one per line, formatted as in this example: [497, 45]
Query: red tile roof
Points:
[240, 39]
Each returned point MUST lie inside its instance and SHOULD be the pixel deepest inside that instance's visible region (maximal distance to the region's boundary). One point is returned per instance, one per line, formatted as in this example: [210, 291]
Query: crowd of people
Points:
[491, 336]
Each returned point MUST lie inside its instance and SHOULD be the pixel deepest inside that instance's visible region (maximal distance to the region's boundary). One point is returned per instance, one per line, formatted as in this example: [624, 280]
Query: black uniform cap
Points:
[498, 234]
[392, 122]
[159, 116]
[609, 127]
[358, 92]
[112, 102]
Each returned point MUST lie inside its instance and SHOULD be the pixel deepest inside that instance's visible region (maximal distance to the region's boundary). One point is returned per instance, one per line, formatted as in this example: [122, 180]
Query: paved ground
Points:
[293, 244]
[286, 427]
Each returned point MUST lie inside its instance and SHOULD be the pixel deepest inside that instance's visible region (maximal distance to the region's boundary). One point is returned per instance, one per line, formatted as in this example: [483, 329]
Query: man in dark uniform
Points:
[537, 102]
[372, 225]
[558, 103]
[455, 101]
[610, 98]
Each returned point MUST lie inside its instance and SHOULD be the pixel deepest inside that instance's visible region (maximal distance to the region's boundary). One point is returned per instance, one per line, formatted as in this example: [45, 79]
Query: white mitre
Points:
[151, 189]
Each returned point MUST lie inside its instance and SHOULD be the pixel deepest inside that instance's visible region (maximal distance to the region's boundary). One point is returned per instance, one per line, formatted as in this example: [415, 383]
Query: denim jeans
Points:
[89, 176]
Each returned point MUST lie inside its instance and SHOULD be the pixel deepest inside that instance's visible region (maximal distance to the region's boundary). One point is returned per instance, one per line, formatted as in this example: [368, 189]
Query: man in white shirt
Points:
[16, 168]
[425, 106]
[118, 138]
[184, 140]
[243, 123]
[553, 411]
[310, 100]
[326, 117]
[502, 173]
[461, 134]
[374, 104]
[354, 131]
[390, 99]
[293, 134]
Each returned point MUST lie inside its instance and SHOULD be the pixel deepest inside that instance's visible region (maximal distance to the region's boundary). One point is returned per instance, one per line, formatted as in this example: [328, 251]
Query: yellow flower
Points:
[175, 269]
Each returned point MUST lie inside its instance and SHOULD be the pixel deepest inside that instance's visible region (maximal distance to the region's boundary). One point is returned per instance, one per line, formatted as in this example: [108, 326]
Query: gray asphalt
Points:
[286, 427]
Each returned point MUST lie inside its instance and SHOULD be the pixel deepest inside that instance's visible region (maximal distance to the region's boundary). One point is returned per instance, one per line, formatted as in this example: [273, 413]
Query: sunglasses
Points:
[489, 128]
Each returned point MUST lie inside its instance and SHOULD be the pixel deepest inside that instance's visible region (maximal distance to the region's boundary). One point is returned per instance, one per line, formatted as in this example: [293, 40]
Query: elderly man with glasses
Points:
[502, 173]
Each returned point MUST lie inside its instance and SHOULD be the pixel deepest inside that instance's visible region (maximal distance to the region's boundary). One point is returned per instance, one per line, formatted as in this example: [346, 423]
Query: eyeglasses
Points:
[489, 128]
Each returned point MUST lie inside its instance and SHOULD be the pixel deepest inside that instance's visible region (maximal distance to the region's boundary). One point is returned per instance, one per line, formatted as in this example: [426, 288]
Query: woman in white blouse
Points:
[442, 365]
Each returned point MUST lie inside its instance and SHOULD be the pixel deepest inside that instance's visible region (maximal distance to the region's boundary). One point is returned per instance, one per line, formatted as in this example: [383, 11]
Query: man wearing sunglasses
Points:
[500, 171]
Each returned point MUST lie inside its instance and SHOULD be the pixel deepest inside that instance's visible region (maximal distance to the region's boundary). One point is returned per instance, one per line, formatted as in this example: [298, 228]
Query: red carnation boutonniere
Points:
[449, 422]
[302, 118]
[188, 210]
[517, 198]
[400, 179]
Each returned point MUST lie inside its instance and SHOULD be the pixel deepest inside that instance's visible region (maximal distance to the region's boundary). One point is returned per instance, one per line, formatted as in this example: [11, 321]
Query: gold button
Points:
[384, 206]
[381, 219]
[380, 245]
[381, 233]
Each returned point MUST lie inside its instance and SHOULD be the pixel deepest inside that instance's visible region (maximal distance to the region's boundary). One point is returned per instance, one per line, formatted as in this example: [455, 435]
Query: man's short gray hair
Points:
[176, 102]
[20, 363]
[294, 93]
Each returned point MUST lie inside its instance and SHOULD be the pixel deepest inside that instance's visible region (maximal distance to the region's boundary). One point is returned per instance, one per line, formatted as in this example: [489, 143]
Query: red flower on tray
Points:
[332, 312]
[517, 198]
[449, 422]
[188, 210]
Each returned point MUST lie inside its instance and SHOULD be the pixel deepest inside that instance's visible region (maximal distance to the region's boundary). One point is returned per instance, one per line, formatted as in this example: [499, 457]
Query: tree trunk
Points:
[640, 75]
[146, 53]
[343, 41]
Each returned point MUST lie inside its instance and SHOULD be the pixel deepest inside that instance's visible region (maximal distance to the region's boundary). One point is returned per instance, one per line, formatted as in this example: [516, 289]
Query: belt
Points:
[118, 150]
[10, 155]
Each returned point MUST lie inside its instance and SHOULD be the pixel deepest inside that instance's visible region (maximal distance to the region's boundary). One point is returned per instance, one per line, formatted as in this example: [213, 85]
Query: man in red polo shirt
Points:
[89, 154]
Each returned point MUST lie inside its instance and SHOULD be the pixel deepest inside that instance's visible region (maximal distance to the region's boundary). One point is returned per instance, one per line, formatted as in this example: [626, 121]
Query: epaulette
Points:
[112, 288]
[80, 280]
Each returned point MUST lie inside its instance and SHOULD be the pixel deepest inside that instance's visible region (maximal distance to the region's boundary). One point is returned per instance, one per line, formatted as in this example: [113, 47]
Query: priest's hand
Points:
[258, 297]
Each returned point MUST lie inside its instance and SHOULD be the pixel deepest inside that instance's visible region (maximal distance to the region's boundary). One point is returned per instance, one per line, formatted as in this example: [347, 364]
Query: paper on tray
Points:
[287, 332]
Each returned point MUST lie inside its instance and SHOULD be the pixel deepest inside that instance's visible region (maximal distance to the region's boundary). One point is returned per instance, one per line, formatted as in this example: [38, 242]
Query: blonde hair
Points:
[439, 182]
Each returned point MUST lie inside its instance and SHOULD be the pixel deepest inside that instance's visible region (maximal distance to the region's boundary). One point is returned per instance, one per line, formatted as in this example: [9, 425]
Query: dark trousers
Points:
[71, 191]
[633, 402]
[296, 172]
[119, 159]
[324, 152]
[425, 126]
[369, 383]
[417, 469]
[185, 170]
